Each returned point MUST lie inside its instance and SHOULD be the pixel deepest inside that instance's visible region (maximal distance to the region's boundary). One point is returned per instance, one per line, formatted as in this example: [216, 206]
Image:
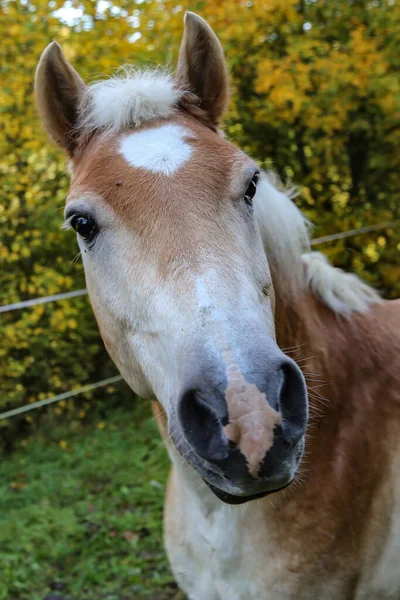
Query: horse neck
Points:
[326, 346]
[347, 361]
[329, 348]
[304, 330]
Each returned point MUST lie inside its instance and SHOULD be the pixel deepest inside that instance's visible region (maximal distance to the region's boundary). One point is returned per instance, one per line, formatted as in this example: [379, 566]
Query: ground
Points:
[81, 512]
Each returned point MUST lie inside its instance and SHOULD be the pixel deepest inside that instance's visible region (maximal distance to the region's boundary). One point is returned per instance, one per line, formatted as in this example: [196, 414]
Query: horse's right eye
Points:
[85, 226]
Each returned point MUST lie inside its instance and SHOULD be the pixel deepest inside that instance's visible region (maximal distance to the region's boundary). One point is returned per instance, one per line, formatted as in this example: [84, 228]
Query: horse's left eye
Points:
[85, 226]
[251, 190]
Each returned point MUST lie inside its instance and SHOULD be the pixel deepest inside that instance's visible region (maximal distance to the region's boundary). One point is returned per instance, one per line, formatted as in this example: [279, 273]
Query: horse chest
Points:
[217, 550]
[243, 553]
[211, 561]
[233, 554]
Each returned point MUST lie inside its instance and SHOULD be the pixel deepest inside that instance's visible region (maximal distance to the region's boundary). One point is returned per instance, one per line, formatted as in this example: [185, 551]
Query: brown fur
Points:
[354, 435]
[100, 170]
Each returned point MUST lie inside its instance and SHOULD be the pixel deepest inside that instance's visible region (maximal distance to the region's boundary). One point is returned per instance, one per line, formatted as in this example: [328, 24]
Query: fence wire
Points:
[352, 232]
[42, 300]
[64, 396]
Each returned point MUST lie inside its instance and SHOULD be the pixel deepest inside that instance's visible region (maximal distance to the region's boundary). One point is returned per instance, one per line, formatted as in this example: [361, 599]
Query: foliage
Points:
[55, 347]
[315, 95]
[81, 512]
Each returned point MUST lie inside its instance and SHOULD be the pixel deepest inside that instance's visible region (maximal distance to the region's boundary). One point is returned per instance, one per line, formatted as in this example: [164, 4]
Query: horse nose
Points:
[247, 428]
[291, 401]
[202, 418]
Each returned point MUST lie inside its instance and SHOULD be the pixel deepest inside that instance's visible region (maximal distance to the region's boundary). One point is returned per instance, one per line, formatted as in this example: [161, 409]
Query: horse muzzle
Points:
[246, 434]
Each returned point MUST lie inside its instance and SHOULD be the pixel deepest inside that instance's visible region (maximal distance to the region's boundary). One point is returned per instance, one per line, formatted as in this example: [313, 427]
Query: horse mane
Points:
[285, 233]
[131, 98]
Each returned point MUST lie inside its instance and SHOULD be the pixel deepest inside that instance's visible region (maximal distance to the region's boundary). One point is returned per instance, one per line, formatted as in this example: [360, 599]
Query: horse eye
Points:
[85, 226]
[251, 190]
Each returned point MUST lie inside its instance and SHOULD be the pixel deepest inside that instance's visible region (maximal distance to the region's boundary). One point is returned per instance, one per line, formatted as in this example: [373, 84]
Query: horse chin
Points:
[235, 500]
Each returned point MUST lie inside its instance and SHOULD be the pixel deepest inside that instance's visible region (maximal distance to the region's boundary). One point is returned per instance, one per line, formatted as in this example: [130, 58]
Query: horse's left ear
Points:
[202, 68]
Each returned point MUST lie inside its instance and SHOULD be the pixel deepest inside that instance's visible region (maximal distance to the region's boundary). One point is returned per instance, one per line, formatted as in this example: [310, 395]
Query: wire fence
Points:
[42, 300]
[82, 292]
[64, 396]
[352, 232]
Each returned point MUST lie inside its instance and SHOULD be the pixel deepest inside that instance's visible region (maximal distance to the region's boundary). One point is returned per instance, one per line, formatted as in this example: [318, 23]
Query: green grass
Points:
[81, 512]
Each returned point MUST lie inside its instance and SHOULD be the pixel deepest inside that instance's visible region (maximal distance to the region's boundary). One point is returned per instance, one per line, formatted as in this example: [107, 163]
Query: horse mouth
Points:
[235, 500]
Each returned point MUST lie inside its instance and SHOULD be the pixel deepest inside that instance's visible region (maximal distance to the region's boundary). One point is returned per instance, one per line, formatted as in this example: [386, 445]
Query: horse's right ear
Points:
[58, 89]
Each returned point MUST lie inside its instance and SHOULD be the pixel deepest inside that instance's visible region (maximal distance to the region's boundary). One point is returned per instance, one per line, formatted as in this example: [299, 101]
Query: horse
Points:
[212, 305]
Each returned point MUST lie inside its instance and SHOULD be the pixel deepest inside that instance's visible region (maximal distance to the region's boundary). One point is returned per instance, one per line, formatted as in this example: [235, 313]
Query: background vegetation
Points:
[316, 96]
[81, 511]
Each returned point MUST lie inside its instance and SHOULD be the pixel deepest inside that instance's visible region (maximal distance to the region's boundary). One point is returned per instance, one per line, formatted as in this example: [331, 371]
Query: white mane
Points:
[286, 236]
[130, 98]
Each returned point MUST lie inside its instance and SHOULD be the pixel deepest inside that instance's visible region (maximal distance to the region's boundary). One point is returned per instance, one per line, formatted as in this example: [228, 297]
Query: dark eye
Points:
[251, 190]
[85, 226]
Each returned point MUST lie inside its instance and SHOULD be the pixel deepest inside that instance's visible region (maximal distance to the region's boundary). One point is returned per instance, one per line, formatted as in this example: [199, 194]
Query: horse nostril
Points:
[202, 427]
[293, 403]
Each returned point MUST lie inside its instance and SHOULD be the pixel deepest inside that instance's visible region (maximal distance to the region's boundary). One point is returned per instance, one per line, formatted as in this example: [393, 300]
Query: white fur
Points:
[160, 150]
[208, 556]
[128, 99]
[342, 292]
[285, 233]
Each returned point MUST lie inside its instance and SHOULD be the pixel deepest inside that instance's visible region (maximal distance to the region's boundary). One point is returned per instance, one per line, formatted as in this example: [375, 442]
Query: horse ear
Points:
[58, 89]
[202, 68]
